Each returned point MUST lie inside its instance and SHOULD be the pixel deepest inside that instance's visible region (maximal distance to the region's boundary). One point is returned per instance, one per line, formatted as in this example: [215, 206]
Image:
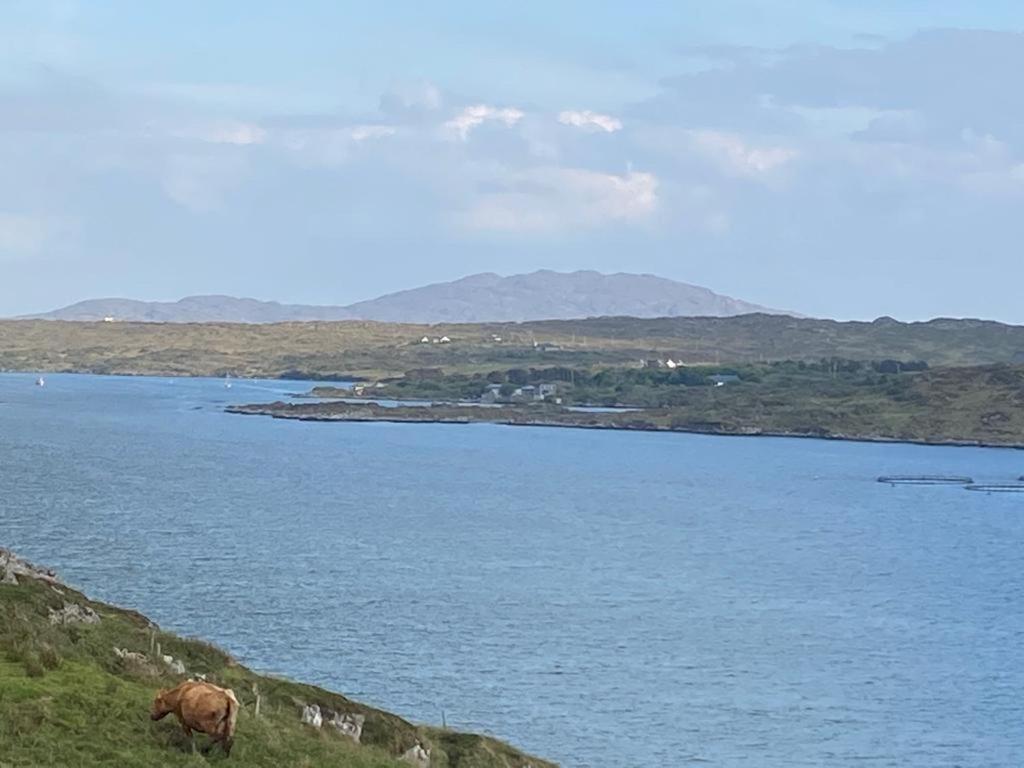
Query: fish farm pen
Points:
[925, 480]
[996, 487]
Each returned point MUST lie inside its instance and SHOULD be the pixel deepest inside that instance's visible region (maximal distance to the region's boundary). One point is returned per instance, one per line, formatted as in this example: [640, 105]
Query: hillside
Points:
[77, 678]
[345, 349]
[477, 298]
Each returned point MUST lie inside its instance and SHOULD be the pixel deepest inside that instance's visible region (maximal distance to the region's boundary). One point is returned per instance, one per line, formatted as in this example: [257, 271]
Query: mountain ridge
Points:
[481, 297]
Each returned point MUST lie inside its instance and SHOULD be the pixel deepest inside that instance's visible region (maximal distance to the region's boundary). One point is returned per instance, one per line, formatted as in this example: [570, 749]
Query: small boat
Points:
[40, 382]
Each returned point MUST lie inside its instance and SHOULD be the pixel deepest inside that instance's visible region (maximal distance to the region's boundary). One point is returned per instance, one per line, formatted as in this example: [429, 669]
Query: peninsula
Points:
[979, 405]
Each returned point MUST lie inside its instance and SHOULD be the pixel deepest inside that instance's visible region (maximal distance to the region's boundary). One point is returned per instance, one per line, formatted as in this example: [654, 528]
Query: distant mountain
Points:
[195, 309]
[543, 295]
[547, 295]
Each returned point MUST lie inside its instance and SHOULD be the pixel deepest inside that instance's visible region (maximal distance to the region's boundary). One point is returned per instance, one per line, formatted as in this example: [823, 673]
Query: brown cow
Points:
[200, 706]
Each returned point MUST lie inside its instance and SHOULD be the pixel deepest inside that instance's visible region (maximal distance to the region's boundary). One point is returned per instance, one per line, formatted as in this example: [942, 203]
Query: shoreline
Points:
[278, 411]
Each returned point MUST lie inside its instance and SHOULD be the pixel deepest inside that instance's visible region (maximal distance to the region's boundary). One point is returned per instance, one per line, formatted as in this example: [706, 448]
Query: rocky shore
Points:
[645, 420]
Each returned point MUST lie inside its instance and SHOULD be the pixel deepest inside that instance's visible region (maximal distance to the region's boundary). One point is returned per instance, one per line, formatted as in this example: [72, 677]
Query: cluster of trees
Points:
[834, 365]
[696, 376]
[605, 386]
[653, 387]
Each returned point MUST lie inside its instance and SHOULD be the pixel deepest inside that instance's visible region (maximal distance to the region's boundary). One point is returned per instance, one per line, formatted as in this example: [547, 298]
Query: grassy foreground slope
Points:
[328, 350]
[67, 698]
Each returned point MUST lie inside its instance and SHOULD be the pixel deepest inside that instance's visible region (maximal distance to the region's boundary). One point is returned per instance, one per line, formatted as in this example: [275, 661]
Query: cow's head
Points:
[161, 707]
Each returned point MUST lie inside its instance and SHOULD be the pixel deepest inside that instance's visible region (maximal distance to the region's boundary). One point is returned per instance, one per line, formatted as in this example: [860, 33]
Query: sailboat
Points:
[227, 381]
[40, 382]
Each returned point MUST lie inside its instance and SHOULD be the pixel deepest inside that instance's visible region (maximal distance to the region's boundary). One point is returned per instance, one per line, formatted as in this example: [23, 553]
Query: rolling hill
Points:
[370, 349]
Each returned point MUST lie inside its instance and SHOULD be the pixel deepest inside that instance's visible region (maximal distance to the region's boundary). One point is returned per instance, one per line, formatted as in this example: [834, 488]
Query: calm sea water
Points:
[604, 599]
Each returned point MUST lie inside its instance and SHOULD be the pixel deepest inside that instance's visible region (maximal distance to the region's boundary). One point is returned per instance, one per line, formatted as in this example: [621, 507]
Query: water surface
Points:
[601, 598]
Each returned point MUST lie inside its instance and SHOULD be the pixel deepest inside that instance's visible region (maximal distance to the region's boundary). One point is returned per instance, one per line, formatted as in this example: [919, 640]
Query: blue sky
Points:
[845, 159]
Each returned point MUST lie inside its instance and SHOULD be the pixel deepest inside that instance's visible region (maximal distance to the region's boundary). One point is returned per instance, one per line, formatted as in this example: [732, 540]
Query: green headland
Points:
[77, 678]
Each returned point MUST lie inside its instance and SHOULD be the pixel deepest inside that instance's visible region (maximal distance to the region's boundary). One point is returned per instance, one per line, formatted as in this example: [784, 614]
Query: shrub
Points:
[33, 664]
[48, 657]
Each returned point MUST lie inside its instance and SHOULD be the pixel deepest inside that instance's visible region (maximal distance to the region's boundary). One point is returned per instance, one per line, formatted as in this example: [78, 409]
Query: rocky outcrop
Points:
[346, 723]
[12, 567]
[153, 667]
[349, 725]
[311, 716]
[175, 665]
[137, 663]
[72, 613]
[417, 755]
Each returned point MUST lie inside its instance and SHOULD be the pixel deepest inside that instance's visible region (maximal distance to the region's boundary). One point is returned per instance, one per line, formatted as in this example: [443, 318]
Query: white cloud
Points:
[330, 147]
[240, 134]
[736, 156]
[471, 117]
[364, 132]
[21, 235]
[588, 120]
[552, 198]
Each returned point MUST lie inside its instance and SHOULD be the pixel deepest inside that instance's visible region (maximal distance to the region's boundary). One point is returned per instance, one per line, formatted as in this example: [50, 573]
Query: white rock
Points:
[12, 566]
[131, 656]
[311, 716]
[417, 756]
[350, 725]
[72, 613]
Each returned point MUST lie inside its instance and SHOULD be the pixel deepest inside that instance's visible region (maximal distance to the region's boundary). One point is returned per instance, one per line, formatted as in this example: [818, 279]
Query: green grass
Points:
[67, 700]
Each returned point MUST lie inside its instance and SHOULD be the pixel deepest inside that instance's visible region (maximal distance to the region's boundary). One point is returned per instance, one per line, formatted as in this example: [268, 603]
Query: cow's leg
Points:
[215, 738]
[188, 735]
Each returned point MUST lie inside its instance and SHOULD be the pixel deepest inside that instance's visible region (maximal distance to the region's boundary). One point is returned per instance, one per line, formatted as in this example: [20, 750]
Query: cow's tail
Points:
[227, 723]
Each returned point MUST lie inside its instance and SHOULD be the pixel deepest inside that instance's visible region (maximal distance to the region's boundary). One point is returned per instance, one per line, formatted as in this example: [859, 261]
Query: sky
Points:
[846, 159]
